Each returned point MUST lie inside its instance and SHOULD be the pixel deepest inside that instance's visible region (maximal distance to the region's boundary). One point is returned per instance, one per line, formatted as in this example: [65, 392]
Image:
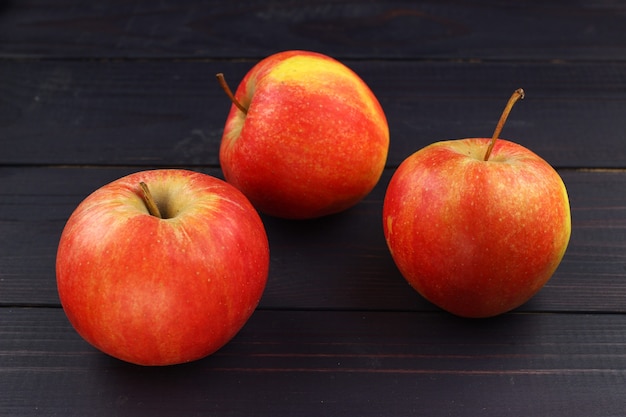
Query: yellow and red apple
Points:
[162, 267]
[305, 136]
[476, 226]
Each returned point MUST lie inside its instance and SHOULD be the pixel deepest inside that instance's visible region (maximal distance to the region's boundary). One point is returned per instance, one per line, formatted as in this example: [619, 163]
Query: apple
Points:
[477, 226]
[162, 266]
[305, 136]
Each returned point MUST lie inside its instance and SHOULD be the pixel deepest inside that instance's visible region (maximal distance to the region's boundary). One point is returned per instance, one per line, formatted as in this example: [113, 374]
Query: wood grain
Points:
[330, 363]
[340, 262]
[549, 30]
[173, 113]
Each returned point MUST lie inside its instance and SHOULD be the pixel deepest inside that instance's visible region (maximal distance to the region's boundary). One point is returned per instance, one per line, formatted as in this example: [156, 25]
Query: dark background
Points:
[91, 91]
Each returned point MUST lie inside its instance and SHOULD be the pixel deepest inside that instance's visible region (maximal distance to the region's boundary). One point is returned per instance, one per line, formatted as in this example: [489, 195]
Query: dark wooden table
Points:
[90, 91]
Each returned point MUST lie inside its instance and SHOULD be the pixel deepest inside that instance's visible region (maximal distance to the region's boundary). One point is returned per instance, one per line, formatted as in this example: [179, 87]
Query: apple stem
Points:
[517, 95]
[222, 81]
[153, 209]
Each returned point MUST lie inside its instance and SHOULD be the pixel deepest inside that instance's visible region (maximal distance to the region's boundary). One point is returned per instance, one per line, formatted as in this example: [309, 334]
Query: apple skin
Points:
[476, 238]
[314, 140]
[154, 291]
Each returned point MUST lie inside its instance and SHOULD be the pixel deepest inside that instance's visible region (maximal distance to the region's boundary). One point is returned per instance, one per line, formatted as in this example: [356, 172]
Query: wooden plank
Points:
[340, 262]
[173, 113]
[549, 30]
[330, 363]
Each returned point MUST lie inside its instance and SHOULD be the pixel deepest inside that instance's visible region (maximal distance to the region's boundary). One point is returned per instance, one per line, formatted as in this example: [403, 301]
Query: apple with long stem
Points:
[305, 136]
[477, 226]
[162, 267]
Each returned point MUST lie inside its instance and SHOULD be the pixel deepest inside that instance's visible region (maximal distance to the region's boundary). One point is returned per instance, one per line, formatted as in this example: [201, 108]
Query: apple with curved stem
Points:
[305, 136]
[162, 267]
[477, 226]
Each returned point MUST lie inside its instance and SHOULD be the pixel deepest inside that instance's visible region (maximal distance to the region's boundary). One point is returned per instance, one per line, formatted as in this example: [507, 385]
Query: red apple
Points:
[305, 136]
[162, 267]
[477, 226]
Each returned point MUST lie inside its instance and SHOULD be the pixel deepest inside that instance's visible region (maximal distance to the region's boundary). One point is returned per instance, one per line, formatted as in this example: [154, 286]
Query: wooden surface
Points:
[91, 91]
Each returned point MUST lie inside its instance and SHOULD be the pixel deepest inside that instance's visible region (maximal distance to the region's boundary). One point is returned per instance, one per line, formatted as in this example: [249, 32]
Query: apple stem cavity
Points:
[517, 95]
[222, 81]
[153, 209]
